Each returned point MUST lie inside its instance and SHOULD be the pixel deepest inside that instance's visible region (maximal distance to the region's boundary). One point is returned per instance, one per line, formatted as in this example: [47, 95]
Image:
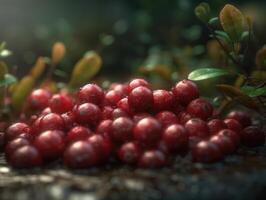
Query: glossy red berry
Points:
[46, 111]
[152, 159]
[61, 103]
[231, 134]
[112, 97]
[129, 153]
[206, 152]
[139, 116]
[104, 128]
[121, 88]
[243, 117]
[87, 113]
[80, 154]
[107, 112]
[25, 157]
[197, 127]
[148, 131]
[183, 117]
[14, 145]
[252, 136]
[136, 83]
[78, 133]
[123, 104]
[50, 144]
[15, 130]
[200, 108]
[233, 125]
[140, 99]
[39, 99]
[215, 125]
[162, 100]
[50, 121]
[121, 129]
[69, 120]
[117, 112]
[175, 137]
[185, 91]
[226, 144]
[166, 118]
[91, 93]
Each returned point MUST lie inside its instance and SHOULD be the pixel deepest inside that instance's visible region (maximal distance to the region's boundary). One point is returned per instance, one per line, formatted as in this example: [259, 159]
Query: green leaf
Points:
[223, 35]
[206, 73]
[253, 91]
[5, 53]
[202, 11]
[8, 80]
[213, 21]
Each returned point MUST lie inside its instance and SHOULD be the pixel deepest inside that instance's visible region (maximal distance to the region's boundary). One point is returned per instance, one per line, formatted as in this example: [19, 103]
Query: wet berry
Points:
[162, 100]
[140, 99]
[136, 83]
[233, 125]
[215, 125]
[117, 112]
[183, 117]
[104, 128]
[243, 117]
[166, 118]
[50, 121]
[252, 136]
[107, 112]
[78, 133]
[197, 127]
[112, 97]
[231, 134]
[61, 103]
[39, 99]
[91, 93]
[226, 144]
[14, 145]
[15, 130]
[121, 129]
[152, 159]
[200, 108]
[129, 153]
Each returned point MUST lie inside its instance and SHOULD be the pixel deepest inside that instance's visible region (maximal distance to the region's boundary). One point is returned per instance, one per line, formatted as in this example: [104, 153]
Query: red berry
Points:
[50, 121]
[50, 144]
[60, 103]
[136, 83]
[197, 127]
[121, 129]
[166, 118]
[162, 100]
[185, 91]
[2, 140]
[200, 108]
[69, 120]
[140, 99]
[206, 152]
[117, 112]
[147, 131]
[91, 93]
[111, 98]
[107, 112]
[152, 159]
[46, 111]
[80, 154]
[215, 125]
[183, 117]
[104, 128]
[175, 137]
[233, 125]
[193, 141]
[243, 118]
[120, 88]
[25, 157]
[87, 113]
[252, 136]
[102, 146]
[123, 104]
[129, 153]
[39, 99]
[15, 130]
[78, 133]
[14, 145]
[231, 134]
[226, 144]
[139, 116]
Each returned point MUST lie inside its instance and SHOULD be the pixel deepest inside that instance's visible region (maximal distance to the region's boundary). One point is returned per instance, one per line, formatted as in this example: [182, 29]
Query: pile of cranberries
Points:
[129, 122]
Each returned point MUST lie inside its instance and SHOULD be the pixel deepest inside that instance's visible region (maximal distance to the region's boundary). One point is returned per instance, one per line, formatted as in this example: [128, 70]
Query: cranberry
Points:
[162, 100]
[78, 133]
[231, 134]
[39, 99]
[50, 144]
[136, 83]
[175, 137]
[152, 159]
[197, 127]
[252, 136]
[185, 91]
[69, 120]
[61, 103]
[183, 117]
[91, 93]
[107, 112]
[177, 109]
[117, 112]
[215, 125]
[233, 125]
[129, 153]
[25, 157]
[102, 146]
[14, 145]
[166, 118]
[121, 129]
[15, 130]
[112, 97]
[206, 152]
[193, 141]
[87, 113]
[80, 154]
[139, 116]
[147, 131]
[140, 99]
[226, 144]
[104, 128]
[243, 118]
[3, 126]
[46, 111]
[123, 104]
[50, 121]
[200, 108]
[120, 88]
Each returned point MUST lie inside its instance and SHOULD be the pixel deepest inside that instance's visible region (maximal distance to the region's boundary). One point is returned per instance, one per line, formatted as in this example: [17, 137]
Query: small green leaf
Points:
[223, 35]
[213, 21]
[202, 11]
[253, 91]
[206, 73]
[8, 80]
[244, 36]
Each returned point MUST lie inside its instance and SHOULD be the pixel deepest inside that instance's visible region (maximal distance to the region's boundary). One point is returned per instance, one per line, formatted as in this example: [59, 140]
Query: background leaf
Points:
[206, 73]
[8, 80]
[253, 91]
[58, 52]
